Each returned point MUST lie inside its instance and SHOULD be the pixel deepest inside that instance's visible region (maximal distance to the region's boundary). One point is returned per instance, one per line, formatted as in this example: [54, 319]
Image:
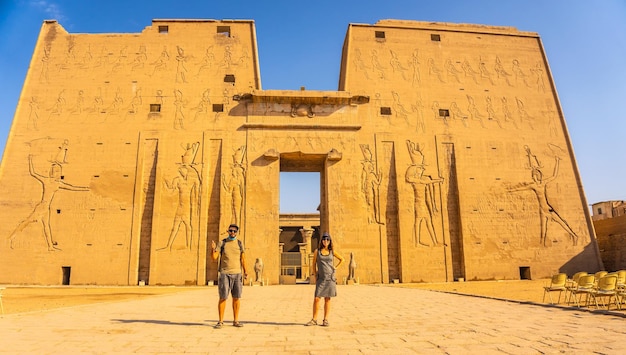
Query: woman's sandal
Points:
[237, 324]
[311, 322]
[325, 323]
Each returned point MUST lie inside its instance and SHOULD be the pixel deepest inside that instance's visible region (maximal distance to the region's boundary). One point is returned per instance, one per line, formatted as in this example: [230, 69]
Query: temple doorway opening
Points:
[300, 206]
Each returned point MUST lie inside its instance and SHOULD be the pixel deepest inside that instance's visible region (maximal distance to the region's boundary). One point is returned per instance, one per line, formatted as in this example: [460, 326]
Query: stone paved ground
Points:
[365, 319]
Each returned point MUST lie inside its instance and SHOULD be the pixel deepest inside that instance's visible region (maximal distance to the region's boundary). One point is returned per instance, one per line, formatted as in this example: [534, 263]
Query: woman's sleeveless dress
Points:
[326, 283]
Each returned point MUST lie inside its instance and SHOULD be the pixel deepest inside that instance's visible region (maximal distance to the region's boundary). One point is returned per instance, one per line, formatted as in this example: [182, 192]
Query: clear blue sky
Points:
[300, 45]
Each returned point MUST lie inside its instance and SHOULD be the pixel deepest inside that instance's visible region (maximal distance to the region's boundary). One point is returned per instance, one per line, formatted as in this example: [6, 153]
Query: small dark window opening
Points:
[385, 110]
[379, 35]
[155, 107]
[218, 107]
[223, 30]
[229, 78]
[67, 271]
[444, 113]
[435, 37]
[58, 211]
[599, 210]
[62, 177]
[164, 29]
[524, 273]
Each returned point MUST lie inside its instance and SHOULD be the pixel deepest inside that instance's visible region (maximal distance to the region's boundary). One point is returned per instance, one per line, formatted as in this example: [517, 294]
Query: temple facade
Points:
[443, 155]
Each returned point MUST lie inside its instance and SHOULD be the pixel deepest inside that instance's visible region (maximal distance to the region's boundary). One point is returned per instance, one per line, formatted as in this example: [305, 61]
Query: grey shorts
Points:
[230, 284]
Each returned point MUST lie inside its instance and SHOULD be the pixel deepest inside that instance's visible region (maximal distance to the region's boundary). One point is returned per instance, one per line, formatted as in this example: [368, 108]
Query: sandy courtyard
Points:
[17, 299]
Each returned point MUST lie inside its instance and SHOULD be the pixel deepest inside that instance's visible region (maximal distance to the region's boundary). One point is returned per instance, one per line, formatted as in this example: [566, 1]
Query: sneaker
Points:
[311, 322]
[218, 325]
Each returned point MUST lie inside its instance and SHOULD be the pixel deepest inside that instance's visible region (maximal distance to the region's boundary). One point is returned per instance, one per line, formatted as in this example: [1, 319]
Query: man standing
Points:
[232, 263]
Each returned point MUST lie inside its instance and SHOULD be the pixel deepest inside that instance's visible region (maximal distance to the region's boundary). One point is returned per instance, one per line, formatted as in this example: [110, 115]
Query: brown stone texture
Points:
[611, 234]
[443, 154]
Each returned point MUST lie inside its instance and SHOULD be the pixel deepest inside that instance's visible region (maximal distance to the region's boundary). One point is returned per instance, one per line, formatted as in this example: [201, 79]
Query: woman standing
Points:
[325, 279]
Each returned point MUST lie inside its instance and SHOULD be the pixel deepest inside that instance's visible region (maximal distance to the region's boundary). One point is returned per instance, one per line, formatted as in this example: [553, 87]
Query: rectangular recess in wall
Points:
[385, 111]
[164, 29]
[379, 35]
[444, 112]
[435, 37]
[223, 31]
[229, 78]
[154, 108]
[218, 107]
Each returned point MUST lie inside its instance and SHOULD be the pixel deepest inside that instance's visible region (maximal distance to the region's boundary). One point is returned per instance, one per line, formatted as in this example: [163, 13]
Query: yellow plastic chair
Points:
[621, 285]
[572, 284]
[621, 278]
[557, 284]
[586, 286]
[607, 287]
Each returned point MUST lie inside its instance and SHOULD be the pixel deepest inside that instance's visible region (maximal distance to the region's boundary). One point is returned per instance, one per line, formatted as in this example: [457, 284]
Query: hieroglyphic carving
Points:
[227, 61]
[161, 63]
[179, 116]
[493, 116]
[359, 65]
[377, 68]
[207, 61]
[187, 184]
[523, 114]
[538, 186]
[118, 101]
[418, 108]
[33, 114]
[396, 65]
[399, 108]
[538, 73]
[474, 114]
[452, 71]
[484, 72]
[501, 72]
[140, 58]
[45, 62]
[519, 73]
[181, 70]
[508, 117]
[235, 184]
[135, 103]
[51, 184]
[59, 105]
[424, 194]
[469, 71]
[370, 185]
[415, 66]
[79, 104]
[202, 109]
[433, 70]
[457, 114]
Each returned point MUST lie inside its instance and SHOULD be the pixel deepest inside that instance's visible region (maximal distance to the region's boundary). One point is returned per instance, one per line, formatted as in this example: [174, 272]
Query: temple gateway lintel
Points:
[307, 97]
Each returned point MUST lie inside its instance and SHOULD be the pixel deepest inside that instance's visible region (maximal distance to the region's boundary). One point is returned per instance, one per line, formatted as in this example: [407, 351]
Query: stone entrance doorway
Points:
[299, 232]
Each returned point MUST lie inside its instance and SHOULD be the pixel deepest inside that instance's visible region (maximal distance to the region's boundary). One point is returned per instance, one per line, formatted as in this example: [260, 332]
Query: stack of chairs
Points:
[584, 289]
